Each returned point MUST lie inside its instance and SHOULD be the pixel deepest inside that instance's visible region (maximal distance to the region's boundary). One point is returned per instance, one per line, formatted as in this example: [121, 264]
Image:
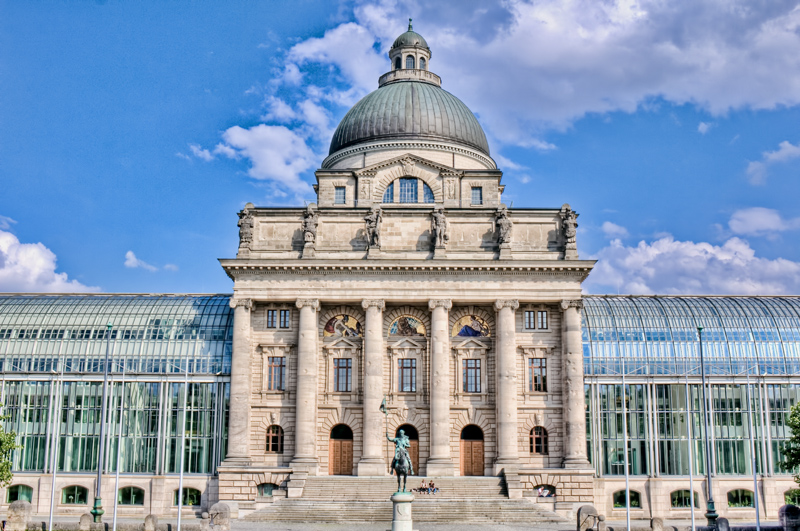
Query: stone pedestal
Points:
[401, 511]
[309, 250]
[374, 252]
[439, 253]
[505, 251]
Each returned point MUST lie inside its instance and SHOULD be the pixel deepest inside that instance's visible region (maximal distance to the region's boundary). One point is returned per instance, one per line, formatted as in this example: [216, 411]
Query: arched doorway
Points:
[471, 451]
[340, 456]
[413, 448]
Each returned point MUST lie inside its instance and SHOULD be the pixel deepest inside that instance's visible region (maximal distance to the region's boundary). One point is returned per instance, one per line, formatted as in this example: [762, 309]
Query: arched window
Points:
[427, 193]
[740, 498]
[410, 62]
[74, 495]
[545, 491]
[190, 497]
[398, 63]
[409, 187]
[388, 195]
[265, 489]
[19, 492]
[619, 499]
[792, 497]
[539, 441]
[422, 63]
[681, 499]
[275, 439]
[130, 496]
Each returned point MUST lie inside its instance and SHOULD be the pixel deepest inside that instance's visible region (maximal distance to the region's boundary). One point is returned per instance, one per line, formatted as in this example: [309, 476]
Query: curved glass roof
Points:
[657, 335]
[150, 333]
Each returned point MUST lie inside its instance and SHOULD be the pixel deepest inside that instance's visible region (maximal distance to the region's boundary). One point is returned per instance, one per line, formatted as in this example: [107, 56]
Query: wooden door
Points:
[413, 453]
[341, 458]
[471, 458]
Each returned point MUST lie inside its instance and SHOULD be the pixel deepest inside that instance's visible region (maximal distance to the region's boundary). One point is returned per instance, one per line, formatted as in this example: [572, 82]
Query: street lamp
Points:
[711, 513]
[97, 511]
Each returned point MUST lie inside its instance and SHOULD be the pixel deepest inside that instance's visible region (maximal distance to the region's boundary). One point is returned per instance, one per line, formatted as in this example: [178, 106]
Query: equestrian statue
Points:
[401, 464]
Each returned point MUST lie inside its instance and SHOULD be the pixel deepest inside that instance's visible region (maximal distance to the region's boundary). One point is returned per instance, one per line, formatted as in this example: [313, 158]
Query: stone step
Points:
[379, 488]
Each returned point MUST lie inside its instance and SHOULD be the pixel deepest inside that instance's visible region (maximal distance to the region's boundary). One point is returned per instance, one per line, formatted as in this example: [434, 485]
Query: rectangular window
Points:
[339, 195]
[409, 190]
[31, 333]
[537, 375]
[472, 376]
[52, 334]
[541, 320]
[276, 373]
[530, 322]
[272, 316]
[407, 375]
[285, 318]
[5, 333]
[342, 375]
[477, 195]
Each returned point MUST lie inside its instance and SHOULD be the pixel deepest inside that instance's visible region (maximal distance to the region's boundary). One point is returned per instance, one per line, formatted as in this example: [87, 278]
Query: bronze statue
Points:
[401, 464]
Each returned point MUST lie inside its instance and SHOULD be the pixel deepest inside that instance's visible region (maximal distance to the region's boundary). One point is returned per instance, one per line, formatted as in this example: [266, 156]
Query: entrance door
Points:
[471, 451]
[413, 448]
[340, 456]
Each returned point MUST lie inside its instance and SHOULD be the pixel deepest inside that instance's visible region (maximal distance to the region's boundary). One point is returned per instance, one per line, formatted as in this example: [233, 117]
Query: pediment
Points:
[343, 343]
[406, 160]
[470, 343]
[408, 343]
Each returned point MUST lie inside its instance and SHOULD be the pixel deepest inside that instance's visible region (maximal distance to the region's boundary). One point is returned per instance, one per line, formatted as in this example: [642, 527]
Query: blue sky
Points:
[132, 132]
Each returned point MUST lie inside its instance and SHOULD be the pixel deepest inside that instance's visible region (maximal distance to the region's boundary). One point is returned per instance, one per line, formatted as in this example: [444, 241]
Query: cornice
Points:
[331, 159]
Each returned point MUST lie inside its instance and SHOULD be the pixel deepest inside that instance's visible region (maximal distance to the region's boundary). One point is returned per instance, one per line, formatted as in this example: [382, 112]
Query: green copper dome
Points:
[410, 38]
[410, 110]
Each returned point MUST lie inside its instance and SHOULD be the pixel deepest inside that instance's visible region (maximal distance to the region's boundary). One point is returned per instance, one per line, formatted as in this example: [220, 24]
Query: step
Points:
[380, 488]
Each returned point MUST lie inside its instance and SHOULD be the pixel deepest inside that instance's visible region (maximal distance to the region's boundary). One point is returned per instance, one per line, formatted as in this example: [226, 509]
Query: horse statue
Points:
[401, 464]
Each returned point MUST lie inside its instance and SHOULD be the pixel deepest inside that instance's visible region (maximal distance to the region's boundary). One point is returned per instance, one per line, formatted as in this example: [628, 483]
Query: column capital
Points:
[311, 303]
[373, 303]
[509, 303]
[437, 303]
[246, 303]
[577, 304]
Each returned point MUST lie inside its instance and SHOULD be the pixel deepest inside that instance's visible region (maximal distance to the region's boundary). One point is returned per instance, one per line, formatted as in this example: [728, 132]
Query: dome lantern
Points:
[409, 57]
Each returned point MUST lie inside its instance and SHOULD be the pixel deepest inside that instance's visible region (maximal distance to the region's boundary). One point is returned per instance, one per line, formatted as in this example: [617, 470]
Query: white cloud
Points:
[201, 153]
[757, 170]
[170, 267]
[133, 262]
[278, 110]
[31, 267]
[703, 127]
[759, 221]
[668, 266]
[507, 164]
[612, 230]
[6, 222]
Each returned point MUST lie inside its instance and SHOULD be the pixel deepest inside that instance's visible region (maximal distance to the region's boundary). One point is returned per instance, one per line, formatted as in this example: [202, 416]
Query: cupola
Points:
[409, 57]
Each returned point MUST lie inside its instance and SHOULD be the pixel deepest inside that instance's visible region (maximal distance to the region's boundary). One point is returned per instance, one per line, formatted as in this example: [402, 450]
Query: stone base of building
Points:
[239, 486]
[440, 467]
[371, 467]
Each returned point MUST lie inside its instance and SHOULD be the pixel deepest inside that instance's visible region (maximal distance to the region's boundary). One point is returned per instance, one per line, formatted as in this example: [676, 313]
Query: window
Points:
[53, 334]
[285, 316]
[408, 190]
[791, 497]
[619, 499]
[477, 195]
[265, 489]
[681, 499]
[541, 320]
[530, 320]
[422, 63]
[398, 63]
[81, 334]
[32, 333]
[740, 498]
[539, 441]
[472, 376]
[339, 195]
[407, 375]
[190, 497]
[74, 495]
[5, 333]
[276, 373]
[342, 375]
[409, 61]
[272, 316]
[19, 492]
[537, 375]
[130, 496]
[427, 194]
[274, 440]
[388, 195]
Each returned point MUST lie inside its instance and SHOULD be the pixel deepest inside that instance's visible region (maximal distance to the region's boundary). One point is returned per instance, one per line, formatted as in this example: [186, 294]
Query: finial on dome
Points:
[409, 25]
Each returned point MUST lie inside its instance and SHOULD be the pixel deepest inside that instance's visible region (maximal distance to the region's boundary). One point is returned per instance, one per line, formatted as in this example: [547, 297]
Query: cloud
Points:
[757, 170]
[759, 221]
[31, 267]
[6, 222]
[170, 267]
[612, 230]
[667, 266]
[133, 262]
[703, 127]
[201, 153]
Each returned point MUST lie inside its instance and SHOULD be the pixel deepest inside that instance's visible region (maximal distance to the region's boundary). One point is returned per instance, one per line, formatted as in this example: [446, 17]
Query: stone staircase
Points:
[348, 499]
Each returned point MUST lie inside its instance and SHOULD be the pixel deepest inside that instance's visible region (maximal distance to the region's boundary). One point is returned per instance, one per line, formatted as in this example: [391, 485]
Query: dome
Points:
[410, 38]
[406, 110]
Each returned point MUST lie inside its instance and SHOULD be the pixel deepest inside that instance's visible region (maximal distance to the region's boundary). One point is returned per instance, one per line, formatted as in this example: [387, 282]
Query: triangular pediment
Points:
[343, 343]
[407, 342]
[470, 343]
[407, 159]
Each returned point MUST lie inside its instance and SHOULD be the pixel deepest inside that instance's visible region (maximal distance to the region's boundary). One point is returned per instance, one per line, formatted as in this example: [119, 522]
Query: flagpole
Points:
[119, 442]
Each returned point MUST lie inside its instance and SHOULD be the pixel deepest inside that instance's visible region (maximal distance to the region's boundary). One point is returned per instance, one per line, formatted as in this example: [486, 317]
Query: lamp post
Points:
[97, 511]
[711, 513]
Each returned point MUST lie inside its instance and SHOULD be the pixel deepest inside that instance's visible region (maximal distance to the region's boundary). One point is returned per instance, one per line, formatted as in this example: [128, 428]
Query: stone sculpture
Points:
[569, 227]
[310, 221]
[373, 223]
[503, 225]
[245, 227]
[439, 228]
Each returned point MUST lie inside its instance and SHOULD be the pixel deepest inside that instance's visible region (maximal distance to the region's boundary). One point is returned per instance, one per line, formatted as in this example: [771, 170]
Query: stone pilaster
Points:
[372, 461]
[440, 462]
[239, 416]
[573, 398]
[507, 380]
[305, 456]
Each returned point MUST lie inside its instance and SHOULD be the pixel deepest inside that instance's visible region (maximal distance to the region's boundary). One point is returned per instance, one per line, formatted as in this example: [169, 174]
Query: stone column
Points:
[372, 462]
[239, 417]
[507, 382]
[572, 381]
[305, 453]
[439, 462]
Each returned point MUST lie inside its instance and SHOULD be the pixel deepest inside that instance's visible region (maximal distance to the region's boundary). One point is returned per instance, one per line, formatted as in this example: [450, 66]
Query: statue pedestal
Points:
[439, 253]
[505, 251]
[374, 252]
[309, 250]
[401, 513]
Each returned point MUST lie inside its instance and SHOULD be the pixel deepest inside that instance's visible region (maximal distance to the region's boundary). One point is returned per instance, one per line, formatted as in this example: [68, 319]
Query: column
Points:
[305, 452]
[439, 462]
[572, 380]
[372, 462]
[507, 382]
[239, 416]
